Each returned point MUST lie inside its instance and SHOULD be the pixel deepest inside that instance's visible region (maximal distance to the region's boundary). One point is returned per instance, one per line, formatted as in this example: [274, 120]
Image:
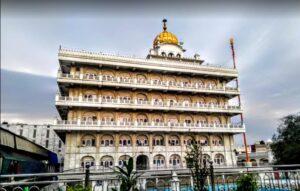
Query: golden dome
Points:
[165, 37]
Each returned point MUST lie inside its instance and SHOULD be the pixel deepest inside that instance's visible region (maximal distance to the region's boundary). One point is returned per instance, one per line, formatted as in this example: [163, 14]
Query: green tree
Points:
[128, 176]
[197, 164]
[247, 182]
[286, 142]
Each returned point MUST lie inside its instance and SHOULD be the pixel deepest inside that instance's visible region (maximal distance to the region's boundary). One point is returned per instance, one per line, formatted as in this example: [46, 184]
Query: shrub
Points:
[247, 182]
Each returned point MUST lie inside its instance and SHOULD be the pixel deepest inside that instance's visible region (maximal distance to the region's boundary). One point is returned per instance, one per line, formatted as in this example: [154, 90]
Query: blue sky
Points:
[266, 38]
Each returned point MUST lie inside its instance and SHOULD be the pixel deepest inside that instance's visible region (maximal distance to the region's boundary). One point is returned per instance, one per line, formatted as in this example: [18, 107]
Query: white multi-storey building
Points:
[113, 107]
[39, 134]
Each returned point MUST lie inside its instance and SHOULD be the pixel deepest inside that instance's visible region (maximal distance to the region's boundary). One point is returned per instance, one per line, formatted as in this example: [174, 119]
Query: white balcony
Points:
[78, 125]
[146, 105]
[99, 59]
[145, 84]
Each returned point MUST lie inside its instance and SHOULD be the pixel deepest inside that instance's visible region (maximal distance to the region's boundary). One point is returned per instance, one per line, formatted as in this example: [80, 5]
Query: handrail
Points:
[154, 83]
[136, 102]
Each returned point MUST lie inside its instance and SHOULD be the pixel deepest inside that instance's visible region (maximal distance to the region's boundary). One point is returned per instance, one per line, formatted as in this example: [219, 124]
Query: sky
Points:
[267, 38]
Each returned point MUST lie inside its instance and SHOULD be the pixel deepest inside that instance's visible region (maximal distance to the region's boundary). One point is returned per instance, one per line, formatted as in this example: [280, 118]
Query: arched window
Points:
[90, 75]
[216, 120]
[89, 96]
[107, 97]
[141, 78]
[124, 97]
[89, 117]
[88, 141]
[201, 120]
[142, 140]
[173, 119]
[174, 140]
[124, 141]
[157, 119]
[87, 161]
[203, 141]
[188, 120]
[186, 102]
[163, 54]
[159, 161]
[125, 118]
[107, 76]
[178, 55]
[107, 161]
[142, 118]
[219, 159]
[123, 160]
[205, 158]
[171, 54]
[158, 140]
[107, 118]
[171, 81]
[157, 100]
[107, 141]
[217, 141]
[142, 98]
[213, 101]
[188, 140]
[175, 160]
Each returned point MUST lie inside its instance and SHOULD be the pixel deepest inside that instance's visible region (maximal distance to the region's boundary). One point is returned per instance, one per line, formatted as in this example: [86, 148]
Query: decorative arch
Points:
[107, 161]
[216, 120]
[188, 119]
[201, 120]
[142, 118]
[158, 140]
[141, 97]
[157, 119]
[216, 140]
[89, 116]
[188, 140]
[203, 140]
[173, 119]
[125, 118]
[141, 78]
[174, 140]
[87, 161]
[175, 160]
[163, 54]
[107, 96]
[171, 55]
[159, 161]
[125, 140]
[107, 140]
[219, 159]
[107, 117]
[171, 81]
[88, 141]
[108, 75]
[142, 140]
[123, 160]
[89, 94]
[205, 158]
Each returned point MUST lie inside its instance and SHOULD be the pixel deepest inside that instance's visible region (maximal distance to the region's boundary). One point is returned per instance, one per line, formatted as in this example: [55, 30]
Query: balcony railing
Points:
[141, 104]
[98, 125]
[147, 84]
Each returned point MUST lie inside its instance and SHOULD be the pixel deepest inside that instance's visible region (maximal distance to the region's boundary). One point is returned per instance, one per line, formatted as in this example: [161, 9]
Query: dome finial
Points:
[165, 25]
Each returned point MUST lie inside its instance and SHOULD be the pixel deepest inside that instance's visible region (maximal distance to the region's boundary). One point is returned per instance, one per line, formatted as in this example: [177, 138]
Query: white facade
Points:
[109, 112]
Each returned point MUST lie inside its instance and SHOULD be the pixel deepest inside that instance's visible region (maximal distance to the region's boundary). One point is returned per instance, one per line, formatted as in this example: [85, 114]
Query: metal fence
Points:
[275, 178]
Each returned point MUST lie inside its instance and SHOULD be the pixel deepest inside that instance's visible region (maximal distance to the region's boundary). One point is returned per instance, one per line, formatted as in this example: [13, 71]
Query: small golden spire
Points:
[165, 25]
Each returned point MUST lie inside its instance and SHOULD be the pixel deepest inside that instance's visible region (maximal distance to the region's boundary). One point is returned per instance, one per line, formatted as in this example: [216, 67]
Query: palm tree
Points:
[128, 176]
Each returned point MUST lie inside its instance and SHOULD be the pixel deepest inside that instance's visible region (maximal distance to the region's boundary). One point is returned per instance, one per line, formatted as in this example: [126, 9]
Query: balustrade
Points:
[151, 103]
[154, 83]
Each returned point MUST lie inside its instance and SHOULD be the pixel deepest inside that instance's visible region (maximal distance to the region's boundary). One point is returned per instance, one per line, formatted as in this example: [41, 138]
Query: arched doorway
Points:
[142, 162]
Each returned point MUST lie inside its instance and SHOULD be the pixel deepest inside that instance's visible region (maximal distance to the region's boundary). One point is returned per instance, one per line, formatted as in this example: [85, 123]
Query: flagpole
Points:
[239, 100]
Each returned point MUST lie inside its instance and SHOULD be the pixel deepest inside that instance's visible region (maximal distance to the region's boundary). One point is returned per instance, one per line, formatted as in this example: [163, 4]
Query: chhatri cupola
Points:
[166, 44]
